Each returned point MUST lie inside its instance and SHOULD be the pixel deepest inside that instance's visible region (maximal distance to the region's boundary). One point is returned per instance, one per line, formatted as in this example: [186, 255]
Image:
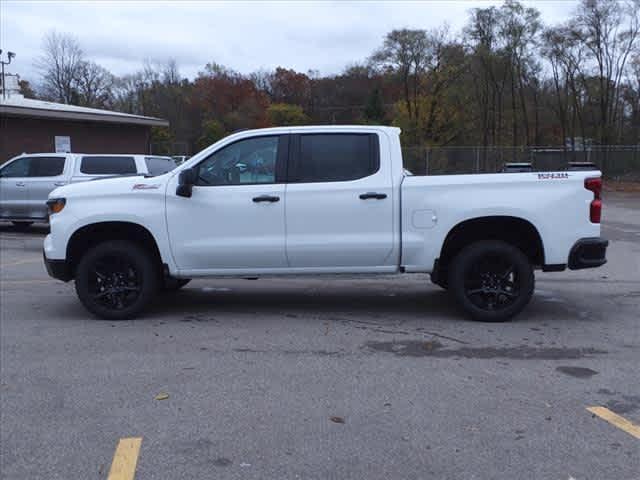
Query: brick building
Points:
[34, 126]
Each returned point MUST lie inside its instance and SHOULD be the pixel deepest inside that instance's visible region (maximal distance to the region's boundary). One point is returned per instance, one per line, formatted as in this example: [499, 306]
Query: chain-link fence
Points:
[169, 148]
[621, 162]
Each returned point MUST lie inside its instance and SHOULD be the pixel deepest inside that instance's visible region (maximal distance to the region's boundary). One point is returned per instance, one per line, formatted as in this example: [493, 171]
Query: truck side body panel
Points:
[557, 205]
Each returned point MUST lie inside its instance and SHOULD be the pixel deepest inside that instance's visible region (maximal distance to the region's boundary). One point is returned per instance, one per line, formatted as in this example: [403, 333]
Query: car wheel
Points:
[173, 284]
[115, 280]
[22, 225]
[491, 280]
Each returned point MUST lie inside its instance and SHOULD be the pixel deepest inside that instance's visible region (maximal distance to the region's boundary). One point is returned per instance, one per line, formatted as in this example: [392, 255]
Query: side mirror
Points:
[186, 181]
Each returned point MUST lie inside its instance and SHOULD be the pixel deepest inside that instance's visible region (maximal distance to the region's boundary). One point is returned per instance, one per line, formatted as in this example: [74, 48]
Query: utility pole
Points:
[10, 56]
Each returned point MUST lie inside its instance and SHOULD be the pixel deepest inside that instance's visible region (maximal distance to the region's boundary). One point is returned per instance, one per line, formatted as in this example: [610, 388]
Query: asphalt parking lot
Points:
[327, 377]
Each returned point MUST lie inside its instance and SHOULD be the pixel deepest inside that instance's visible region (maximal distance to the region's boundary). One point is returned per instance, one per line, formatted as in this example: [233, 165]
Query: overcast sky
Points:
[246, 36]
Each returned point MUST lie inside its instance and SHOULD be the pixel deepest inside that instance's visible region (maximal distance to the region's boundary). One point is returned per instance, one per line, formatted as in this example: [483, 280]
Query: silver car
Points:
[27, 180]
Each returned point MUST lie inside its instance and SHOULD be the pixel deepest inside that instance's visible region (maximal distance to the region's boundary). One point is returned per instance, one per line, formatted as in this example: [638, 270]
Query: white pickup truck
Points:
[321, 200]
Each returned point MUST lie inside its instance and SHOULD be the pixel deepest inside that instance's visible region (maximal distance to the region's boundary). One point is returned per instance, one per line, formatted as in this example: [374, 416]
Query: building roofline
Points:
[76, 115]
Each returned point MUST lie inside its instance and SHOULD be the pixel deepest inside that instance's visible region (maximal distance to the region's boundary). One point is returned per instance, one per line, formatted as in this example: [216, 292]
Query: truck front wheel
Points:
[491, 280]
[116, 279]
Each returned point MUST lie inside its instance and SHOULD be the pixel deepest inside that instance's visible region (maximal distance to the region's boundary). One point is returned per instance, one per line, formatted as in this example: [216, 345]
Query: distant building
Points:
[31, 126]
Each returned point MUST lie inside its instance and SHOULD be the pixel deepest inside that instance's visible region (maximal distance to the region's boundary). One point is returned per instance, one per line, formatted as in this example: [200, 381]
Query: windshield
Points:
[159, 165]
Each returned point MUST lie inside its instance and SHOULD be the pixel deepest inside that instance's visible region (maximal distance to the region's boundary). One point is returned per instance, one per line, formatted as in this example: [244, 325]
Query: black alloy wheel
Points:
[492, 280]
[116, 280]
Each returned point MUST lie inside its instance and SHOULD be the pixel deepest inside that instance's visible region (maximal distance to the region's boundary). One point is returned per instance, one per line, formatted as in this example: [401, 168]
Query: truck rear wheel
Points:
[491, 280]
[115, 280]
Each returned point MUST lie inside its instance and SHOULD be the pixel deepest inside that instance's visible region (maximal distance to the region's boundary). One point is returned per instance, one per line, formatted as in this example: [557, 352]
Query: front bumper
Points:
[57, 268]
[588, 253]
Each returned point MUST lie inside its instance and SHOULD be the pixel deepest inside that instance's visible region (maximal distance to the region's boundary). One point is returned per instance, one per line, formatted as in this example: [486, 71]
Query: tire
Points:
[491, 280]
[174, 284]
[441, 283]
[22, 225]
[116, 280]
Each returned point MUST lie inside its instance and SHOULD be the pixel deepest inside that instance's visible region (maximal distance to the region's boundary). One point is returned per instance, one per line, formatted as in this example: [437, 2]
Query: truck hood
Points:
[112, 186]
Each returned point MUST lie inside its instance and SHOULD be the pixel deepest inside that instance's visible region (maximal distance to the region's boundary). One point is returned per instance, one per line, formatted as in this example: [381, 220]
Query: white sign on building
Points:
[63, 144]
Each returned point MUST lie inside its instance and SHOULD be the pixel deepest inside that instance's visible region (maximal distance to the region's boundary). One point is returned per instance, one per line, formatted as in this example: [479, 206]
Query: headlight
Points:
[56, 205]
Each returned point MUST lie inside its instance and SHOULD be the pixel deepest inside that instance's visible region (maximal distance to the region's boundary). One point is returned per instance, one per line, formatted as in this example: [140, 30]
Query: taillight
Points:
[594, 185]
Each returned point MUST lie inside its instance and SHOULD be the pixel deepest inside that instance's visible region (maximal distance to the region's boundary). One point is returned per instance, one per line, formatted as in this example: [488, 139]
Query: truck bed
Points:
[556, 203]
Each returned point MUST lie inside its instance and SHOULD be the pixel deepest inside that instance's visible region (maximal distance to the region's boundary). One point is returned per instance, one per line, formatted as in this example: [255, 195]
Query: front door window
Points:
[247, 162]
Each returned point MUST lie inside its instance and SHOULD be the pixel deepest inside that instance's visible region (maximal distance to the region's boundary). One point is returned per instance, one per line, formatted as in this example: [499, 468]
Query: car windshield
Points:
[159, 165]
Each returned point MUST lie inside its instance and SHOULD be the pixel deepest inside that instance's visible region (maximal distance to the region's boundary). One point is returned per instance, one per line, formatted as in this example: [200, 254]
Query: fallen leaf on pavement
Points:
[337, 419]
[428, 346]
[162, 396]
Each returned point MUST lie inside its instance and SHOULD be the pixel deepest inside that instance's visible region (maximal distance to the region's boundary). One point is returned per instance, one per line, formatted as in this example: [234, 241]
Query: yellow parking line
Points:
[125, 459]
[21, 262]
[614, 419]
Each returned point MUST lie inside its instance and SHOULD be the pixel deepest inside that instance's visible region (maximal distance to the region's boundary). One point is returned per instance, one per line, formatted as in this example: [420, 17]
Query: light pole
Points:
[10, 56]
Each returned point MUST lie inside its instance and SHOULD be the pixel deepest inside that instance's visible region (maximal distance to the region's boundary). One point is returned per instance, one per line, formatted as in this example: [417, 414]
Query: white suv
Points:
[26, 180]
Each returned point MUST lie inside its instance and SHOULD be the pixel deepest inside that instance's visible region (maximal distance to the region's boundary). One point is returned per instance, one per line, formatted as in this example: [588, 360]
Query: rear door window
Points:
[335, 157]
[105, 165]
[159, 165]
[46, 166]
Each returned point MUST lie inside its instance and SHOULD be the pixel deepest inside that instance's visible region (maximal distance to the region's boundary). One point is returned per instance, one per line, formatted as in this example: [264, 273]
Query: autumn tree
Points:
[519, 28]
[232, 99]
[507, 80]
[284, 114]
[426, 62]
[94, 85]
[503, 41]
[609, 31]
[289, 86]
[212, 131]
[405, 53]
[26, 90]
[374, 109]
[632, 98]
[60, 65]
[566, 57]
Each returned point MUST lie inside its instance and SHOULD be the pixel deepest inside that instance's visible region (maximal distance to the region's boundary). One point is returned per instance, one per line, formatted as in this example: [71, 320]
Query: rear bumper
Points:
[57, 268]
[588, 253]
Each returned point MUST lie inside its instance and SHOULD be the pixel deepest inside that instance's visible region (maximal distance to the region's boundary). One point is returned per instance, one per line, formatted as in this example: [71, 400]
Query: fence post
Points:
[477, 159]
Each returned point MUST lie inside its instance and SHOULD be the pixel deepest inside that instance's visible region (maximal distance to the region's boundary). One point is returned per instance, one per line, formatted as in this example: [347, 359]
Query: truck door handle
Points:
[20, 184]
[59, 184]
[377, 196]
[266, 198]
